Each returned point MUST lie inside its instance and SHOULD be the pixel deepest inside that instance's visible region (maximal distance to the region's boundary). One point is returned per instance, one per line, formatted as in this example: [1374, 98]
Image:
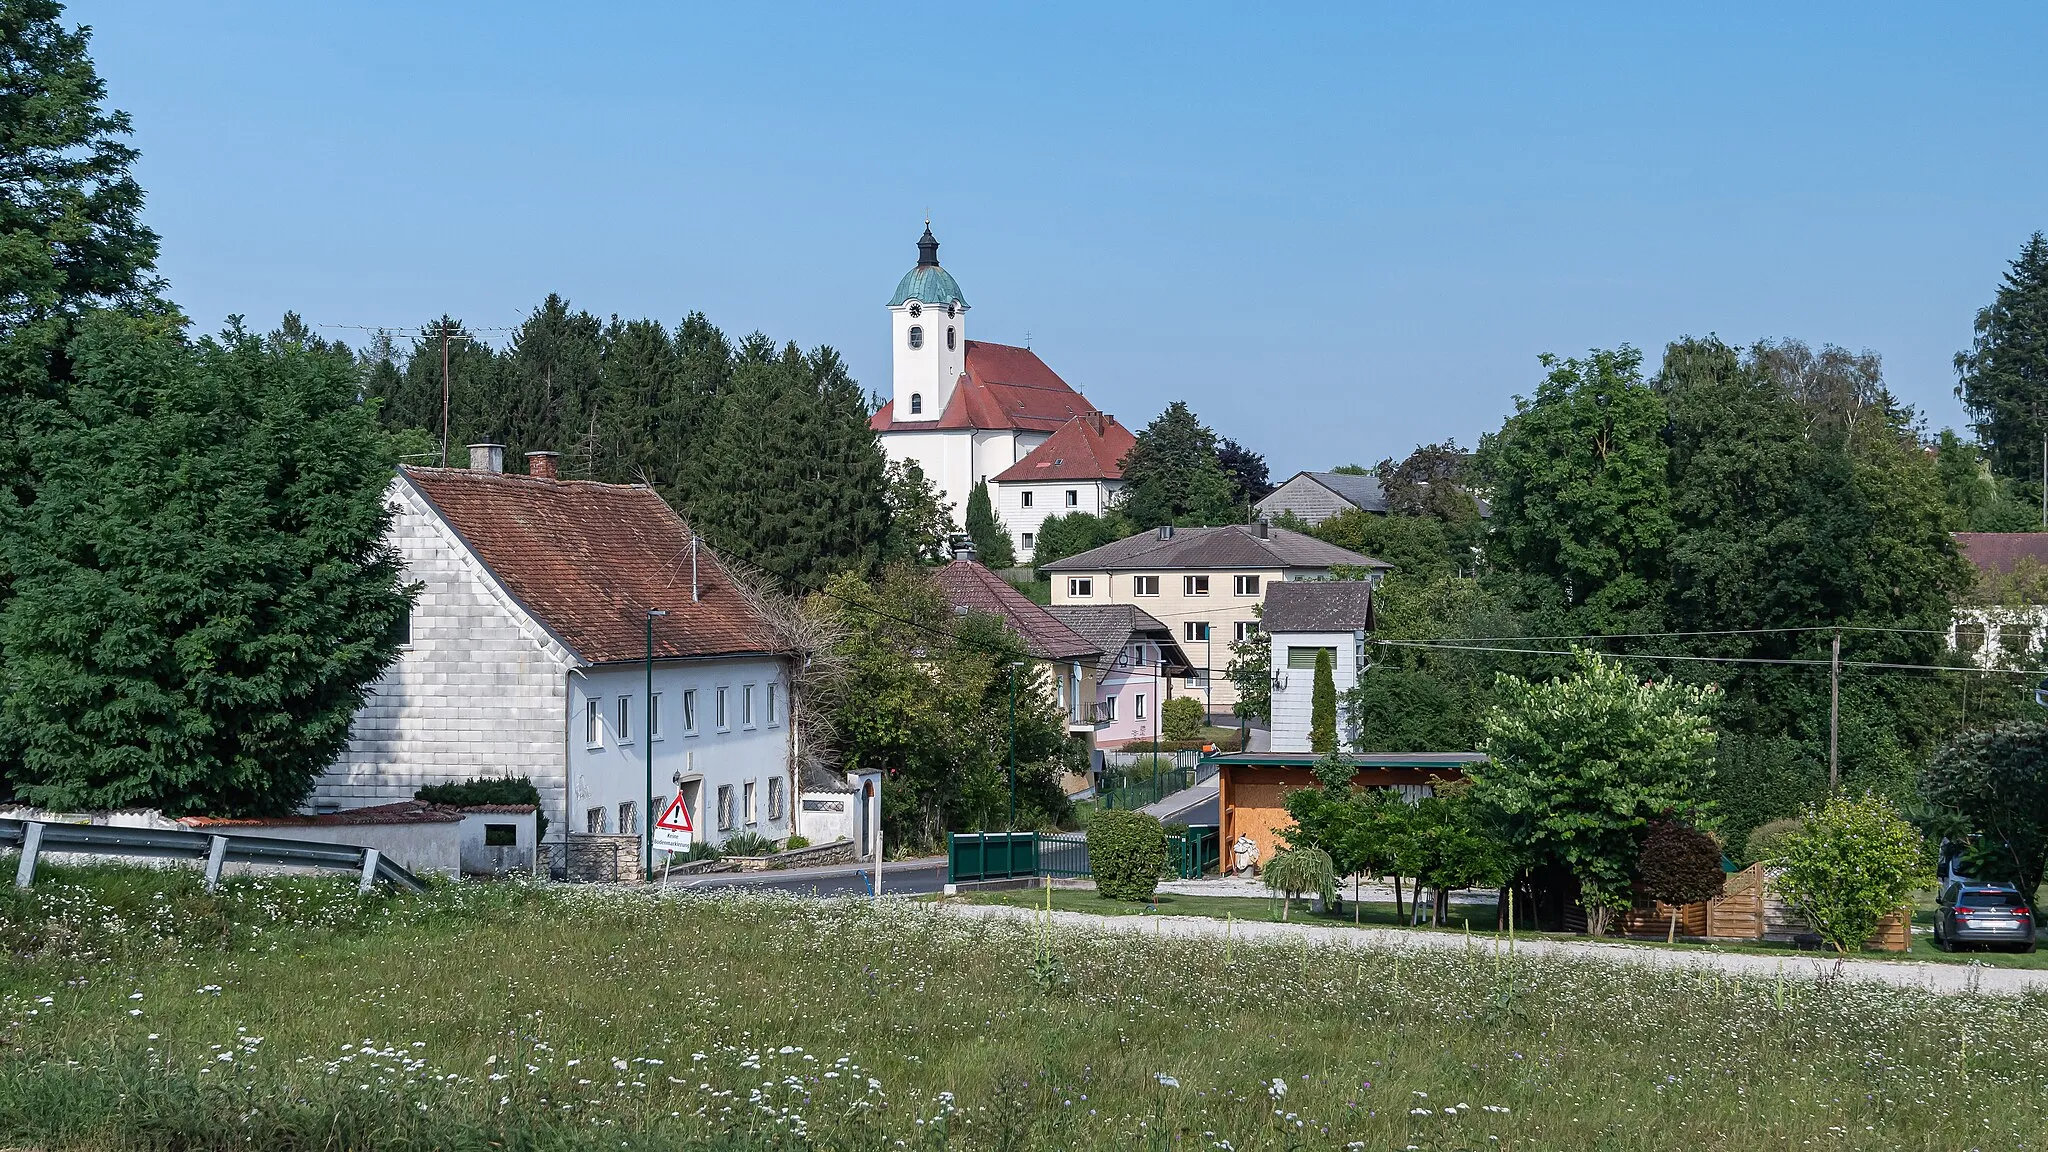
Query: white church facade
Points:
[969, 411]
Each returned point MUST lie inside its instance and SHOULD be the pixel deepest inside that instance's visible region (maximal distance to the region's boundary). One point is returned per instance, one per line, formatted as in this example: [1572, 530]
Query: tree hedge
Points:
[1126, 854]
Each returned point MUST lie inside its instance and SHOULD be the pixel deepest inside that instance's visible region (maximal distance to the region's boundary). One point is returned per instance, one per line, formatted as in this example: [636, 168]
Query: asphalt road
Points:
[900, 878]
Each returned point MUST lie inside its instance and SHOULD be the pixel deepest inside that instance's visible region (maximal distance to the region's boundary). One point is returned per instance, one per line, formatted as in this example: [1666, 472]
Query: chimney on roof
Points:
[1261, 529]
[1166, 531]
[486, 457]
[1101, 421]
[541, 465]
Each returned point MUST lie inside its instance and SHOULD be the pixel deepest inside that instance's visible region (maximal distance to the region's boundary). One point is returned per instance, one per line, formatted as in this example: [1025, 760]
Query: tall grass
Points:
[137, 1012]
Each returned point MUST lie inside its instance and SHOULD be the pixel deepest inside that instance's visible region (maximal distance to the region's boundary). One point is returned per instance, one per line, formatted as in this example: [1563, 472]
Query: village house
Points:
[2003, 621]
[1080, 469]
[1205, 584]
[1066, 659]
[540, 602]
[967, 411]
[1134, 674]
[1316, 496]
[1304, 620]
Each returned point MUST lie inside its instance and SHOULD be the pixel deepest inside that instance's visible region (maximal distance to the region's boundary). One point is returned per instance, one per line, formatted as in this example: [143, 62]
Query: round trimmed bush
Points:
[1765, 838]
[1126, 854]
[1181, 718]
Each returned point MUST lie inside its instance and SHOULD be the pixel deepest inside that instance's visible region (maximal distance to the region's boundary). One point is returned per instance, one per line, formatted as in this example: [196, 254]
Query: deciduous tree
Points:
[1996, 779]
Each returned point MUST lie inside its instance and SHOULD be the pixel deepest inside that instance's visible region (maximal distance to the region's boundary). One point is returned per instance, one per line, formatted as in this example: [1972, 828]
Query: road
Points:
[899, 878]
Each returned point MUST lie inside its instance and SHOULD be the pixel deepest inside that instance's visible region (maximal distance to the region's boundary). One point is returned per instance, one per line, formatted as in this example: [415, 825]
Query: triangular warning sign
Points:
[677, 818]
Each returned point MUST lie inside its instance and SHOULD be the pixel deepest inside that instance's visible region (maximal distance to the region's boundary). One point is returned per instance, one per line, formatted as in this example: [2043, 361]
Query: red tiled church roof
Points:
[971, 585]
[588, 560]
[1090, 447]
[1001, 387]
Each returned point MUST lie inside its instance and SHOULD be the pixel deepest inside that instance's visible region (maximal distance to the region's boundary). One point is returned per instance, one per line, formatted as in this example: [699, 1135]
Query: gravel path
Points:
[1945, 979]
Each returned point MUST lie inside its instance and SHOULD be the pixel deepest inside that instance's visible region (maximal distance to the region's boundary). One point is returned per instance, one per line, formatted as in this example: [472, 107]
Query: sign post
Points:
[673, 832]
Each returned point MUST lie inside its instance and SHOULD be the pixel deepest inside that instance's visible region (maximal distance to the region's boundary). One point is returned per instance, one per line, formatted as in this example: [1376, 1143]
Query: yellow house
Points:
[1203, 583]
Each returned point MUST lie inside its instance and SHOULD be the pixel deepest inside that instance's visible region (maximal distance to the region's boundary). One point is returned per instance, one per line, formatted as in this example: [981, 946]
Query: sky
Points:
[1335, 231]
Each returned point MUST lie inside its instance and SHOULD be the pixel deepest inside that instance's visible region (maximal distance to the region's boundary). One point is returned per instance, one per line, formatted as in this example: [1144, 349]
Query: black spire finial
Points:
[927, 248]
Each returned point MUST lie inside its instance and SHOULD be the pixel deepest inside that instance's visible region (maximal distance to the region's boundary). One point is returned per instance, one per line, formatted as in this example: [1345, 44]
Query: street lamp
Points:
[647, 822]
[1014, 665]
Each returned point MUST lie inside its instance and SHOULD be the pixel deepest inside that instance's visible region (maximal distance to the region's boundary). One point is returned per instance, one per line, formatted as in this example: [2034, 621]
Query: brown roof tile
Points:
[1317, 606]
[971, 585]
[1999, 551]
[1090, 447]
[1002, 386]
[588, 560]
[1231, 546]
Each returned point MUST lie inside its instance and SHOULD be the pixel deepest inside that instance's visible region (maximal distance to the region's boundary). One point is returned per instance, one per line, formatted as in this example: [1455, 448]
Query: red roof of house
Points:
[1001, 387]
[972, 586]
[1090, 447]
[588, 560]
[1999, 551]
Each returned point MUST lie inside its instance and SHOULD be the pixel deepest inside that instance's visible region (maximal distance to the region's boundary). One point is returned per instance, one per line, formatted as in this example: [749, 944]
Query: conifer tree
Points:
[1172, 475]
[2004, 374]
[991, 540]
[1322, 717]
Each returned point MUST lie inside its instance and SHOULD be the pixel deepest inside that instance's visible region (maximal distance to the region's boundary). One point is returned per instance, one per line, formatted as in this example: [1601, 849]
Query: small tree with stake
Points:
[1679, 865]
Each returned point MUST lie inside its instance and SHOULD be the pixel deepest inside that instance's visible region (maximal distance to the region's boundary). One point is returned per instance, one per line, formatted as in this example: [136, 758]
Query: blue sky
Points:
[1335, 231]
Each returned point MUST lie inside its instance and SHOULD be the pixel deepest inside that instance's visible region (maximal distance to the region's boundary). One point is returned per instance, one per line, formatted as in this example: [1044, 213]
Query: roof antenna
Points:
[694, 597]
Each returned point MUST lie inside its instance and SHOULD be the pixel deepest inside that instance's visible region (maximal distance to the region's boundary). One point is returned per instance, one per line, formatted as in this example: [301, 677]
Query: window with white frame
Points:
[916, 403]
[753, 817]
[723, 719]
[1109, 710]
[724, 807]
[1244, 630]
[654, 716]
[1080, 586]
[1245, 585]
[1194, 585]
[746, 705]
[1030, 540]
[593, 722]
[1024, 498]
[774, 706]
[774, 798]
[1144, 585]
[917, 335]
[1073, 497]
[1196, 629]
[689, 711]
[624, 722]
[1138, 707]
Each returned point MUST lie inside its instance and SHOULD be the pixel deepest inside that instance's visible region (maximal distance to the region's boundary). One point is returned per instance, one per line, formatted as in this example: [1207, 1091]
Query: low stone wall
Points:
[837, 852]
[602, 858]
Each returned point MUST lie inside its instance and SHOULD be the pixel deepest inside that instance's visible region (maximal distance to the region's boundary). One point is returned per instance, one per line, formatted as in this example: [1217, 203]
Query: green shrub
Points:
[1852, 862]
[796, 842]
[1181, 718]
[1679, 865]
[1126, 853]
[1765, 838]
[489, 790]
[747, 844]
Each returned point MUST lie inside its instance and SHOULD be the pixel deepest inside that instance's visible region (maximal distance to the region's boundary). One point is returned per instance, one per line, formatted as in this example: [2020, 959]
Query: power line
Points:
[1714, 632]
[1877, 664]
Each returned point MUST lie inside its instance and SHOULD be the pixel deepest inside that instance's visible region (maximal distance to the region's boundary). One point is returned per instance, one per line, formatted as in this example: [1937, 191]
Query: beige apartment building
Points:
[1203, 583]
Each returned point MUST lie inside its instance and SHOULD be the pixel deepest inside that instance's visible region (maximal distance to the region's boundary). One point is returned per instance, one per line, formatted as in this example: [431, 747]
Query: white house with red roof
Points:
[966, 411]
[1078, 469]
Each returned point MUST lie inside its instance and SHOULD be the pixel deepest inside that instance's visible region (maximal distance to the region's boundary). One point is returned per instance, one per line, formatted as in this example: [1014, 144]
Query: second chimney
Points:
[486, 457]
[542, 464]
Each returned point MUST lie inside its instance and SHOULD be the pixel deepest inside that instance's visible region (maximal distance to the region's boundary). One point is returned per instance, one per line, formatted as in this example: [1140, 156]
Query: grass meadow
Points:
[139, 1012]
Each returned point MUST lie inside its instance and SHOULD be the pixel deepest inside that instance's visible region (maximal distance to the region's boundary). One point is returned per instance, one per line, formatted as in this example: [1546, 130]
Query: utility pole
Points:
[444, 394]
[1835, 713]
[647, 738]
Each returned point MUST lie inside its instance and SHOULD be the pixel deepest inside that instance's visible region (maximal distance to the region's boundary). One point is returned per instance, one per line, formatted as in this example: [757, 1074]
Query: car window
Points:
[1992, 898]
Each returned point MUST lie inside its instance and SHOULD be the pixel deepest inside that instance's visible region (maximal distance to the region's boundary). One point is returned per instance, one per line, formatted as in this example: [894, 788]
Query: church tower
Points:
[928, 330]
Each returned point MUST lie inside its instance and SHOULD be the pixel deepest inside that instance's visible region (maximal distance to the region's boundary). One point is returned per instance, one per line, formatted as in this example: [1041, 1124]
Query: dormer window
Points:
[917, 335]
[950, 335]
[916, 403]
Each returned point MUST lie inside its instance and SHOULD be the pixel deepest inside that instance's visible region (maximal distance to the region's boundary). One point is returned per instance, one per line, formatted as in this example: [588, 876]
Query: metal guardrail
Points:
[217, 849]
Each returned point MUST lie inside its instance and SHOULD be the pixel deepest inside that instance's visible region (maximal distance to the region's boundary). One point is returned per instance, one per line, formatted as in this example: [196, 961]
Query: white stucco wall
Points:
[1294, 688]
[478, 692]
[613, 771]
[1048, 498]
[931, 371]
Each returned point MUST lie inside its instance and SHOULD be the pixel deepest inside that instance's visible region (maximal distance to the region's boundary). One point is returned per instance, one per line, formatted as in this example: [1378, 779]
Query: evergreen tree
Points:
[202, 592]
[2004, 375]
[1172, 476]
[991, 539]
[1322, 717]
[1249, 480]
[554, 395]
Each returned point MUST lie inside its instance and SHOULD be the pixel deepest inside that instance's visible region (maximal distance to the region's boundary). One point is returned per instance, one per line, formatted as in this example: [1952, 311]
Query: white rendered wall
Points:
[1048, 498]
[614, 771]
[1295, 688]
[478, 692]
[947, 460]
[931, 371]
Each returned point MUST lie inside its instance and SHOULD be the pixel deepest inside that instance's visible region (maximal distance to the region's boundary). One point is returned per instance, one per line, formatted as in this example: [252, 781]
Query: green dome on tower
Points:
[928, 283]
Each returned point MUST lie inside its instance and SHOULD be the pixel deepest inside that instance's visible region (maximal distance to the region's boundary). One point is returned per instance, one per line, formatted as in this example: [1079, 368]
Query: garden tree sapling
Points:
[1322, 716]
[1679, 865]
[1996, 780]
[1853, 862]
[1445, 843]
[1301, 870]
[1359, 828]
[1250, 671]
[1578, 767]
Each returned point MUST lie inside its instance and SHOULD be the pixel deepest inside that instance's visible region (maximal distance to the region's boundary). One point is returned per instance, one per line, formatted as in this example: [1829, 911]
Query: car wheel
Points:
[1940, 945]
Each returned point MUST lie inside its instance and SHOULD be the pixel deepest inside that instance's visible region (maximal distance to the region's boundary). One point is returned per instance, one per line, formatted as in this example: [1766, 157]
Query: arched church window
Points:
[916, 403]
[949, 340]
[917, 335]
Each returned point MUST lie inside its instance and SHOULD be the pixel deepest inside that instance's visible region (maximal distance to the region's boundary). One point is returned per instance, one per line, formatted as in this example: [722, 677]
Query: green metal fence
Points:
[991, 855]
[1142, 784]
[1192, 854]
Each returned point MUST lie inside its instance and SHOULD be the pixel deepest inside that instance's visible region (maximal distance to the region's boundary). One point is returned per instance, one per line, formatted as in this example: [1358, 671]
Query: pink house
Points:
[1139, 662]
